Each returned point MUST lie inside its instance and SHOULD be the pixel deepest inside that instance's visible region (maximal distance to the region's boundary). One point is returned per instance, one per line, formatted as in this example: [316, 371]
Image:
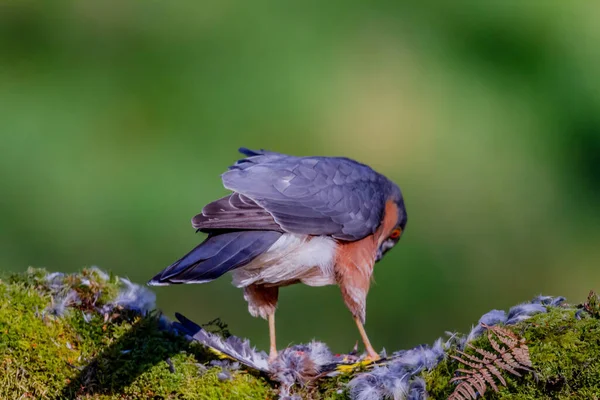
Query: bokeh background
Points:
[117, 117]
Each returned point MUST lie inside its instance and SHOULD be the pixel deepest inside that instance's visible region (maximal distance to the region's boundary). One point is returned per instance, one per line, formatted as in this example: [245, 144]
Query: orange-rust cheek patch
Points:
[390, 219]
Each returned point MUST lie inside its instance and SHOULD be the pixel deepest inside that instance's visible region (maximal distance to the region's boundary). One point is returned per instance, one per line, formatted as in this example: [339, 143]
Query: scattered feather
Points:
[170, 364]
[417, 390]
[300, 364]
[523, 311]
[493, 317]
[87, 317]
[396, 378]
[135, 297]
[549, 300]
[224, 375]
[232, 347]
[99, 273]
[516, 314]
[60, 304]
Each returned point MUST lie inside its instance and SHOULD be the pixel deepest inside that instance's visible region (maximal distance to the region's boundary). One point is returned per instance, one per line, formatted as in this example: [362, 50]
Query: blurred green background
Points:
[117, 117]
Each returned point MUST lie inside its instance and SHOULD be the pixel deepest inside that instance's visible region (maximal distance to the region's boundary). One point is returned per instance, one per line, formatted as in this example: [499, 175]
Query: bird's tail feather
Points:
[215, 256]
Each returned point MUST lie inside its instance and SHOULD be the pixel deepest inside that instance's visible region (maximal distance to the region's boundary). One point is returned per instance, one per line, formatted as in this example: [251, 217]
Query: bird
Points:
[313, 220]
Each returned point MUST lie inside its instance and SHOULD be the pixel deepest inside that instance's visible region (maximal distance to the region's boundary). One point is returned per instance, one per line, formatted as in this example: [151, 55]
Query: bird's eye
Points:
[396, 233]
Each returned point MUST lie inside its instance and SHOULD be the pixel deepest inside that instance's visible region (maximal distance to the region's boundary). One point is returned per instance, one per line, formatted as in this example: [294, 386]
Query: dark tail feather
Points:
[215, 256]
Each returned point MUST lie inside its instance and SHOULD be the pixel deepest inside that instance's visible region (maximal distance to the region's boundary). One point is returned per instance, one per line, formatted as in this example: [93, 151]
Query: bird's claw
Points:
[370, 358]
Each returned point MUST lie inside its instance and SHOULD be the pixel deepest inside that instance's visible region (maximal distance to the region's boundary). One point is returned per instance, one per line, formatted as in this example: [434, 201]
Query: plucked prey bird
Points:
[312, 220]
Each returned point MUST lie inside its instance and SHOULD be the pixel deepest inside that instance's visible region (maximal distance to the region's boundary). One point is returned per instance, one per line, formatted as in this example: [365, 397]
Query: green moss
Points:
[33, 351]
[564, 351]
[117, 356]
[120, 354]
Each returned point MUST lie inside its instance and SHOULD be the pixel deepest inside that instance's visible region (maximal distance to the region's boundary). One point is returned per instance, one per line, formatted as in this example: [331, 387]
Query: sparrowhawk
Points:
[312, 220]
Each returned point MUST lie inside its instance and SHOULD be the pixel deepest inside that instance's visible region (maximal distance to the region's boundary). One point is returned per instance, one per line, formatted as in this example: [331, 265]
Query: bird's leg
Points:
[273, 347]
[262, 301]
[353, 270]
[371, 353]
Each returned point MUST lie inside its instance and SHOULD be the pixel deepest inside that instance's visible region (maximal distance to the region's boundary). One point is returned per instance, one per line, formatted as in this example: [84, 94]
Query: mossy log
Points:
[90, 336]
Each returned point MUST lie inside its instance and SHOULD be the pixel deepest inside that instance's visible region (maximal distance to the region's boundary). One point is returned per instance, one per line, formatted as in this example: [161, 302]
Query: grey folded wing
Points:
[310, 195]
[232, 212]
[218, 254]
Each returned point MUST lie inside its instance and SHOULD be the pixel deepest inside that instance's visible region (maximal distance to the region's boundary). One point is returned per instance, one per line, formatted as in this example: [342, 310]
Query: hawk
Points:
[312, 220]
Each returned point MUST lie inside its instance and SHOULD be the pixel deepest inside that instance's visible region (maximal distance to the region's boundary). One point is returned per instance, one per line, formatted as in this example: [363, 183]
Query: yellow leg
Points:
[371, 354]
[273, 348]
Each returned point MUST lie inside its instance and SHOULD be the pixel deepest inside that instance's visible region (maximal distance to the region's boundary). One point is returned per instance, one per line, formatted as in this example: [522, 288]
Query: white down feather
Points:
[293, 257]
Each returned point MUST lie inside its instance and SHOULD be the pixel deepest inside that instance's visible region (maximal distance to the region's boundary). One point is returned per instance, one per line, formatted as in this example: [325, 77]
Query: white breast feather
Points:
[292, 257]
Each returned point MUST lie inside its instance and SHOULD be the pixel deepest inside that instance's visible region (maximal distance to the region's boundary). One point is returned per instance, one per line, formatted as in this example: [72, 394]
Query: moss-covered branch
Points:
[53, 345]
[564, 352]
[93, 336]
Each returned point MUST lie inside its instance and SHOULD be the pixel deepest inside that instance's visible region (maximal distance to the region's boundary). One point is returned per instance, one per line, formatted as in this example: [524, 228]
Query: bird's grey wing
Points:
[218, 254]
[234, 212]
[312, 195]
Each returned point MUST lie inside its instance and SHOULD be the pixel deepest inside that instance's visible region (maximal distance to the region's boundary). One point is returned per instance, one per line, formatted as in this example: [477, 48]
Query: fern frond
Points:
[468, 363]
[485, 365]
[487, 376]
[497, 374]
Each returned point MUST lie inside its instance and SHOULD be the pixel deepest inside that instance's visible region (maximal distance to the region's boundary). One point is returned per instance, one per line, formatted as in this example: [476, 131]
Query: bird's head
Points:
[396, 233]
